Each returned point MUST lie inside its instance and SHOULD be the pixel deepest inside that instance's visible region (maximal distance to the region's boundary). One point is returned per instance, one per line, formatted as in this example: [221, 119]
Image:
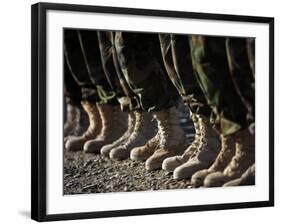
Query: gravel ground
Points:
[86, 173]
[91, 173]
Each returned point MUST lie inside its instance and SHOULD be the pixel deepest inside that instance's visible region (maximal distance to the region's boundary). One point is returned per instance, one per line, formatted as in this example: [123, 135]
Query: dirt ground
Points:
[84, 173]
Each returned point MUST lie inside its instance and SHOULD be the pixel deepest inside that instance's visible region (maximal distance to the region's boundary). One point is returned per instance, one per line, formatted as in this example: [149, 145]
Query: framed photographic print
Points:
[139, 111]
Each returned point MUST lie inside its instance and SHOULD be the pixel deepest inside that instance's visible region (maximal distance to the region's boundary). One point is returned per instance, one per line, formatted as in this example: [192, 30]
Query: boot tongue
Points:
[170, 134]
[168, 127]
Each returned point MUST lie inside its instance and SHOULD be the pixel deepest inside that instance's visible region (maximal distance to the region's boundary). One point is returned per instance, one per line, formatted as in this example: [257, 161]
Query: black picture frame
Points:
[38, 115]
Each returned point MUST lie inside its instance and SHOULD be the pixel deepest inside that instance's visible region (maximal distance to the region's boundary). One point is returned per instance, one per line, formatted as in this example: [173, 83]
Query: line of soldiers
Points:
[125, 81]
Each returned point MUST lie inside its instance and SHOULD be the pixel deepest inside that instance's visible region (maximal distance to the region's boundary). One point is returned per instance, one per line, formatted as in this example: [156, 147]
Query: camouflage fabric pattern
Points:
[113, 71]
[177, 60]
[141, 62]
[210, 62]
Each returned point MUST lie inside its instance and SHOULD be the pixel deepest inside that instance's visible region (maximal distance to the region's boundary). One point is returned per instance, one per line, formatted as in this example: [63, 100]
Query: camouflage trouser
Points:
[241, 72]
[82, 55]
[177, 60]
[141, 62]
[71, 89]
[209, 59]
[112, 70]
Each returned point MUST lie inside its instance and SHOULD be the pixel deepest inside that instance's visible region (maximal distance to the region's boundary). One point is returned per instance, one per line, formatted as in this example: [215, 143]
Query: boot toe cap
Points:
[186, 170]
[135, 155]
[171, 163]
[119, 153]
[93, 146]
[105, 150]
[139, 154]
[216, 179]
[197, 178]
[155, 161]
[153, 164]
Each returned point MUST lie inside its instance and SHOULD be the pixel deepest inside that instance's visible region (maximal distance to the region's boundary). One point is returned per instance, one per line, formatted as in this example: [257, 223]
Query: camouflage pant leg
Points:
[139, 56]
[71, 89]
[76, 64]
[91, 52]
[112, 69]
[176, 56]
[211, 68]
[241, 73]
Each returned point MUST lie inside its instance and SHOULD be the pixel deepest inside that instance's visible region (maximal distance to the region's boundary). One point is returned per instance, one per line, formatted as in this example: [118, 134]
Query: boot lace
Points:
[164, 130]
[138, 127]
[202, 142]
[226, 153]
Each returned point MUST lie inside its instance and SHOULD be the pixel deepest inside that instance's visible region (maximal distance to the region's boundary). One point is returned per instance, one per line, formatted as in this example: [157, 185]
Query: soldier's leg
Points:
[75, 120]
[115, 77]
[243, 80]
[77, 67]
[110, 64]
[211, 68]
[210, 62]
[177, 59]
[114, 121]
[140, 128]
[241, 72]
[72, 91]
[140, 59]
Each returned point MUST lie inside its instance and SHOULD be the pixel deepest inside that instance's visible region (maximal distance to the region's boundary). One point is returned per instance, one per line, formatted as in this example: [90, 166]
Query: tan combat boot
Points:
[204, 155]
[244, 157]
[105, 150]
[75, 143]
[172, 138]
[143, 131]
[247, 178]
[144, 152]
[72, 119]
[172, 163]
[81, 125]
[224, 157]
[114, 124]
